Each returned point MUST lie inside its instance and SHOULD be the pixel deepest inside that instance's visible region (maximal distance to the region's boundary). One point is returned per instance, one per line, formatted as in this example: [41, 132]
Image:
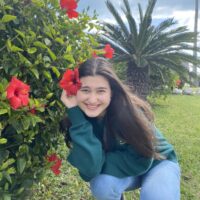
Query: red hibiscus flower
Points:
[17, 93]
[108, 51]
[70, 6]
[70, 81]
[57, 163]
[52, 157]
[72, 14]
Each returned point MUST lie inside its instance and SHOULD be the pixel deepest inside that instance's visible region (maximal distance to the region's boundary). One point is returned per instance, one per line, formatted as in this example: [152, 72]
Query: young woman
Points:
[114, 143]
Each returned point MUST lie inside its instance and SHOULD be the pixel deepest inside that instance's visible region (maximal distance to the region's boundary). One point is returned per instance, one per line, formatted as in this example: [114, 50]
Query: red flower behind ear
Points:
[70, 6]
[17, 93]
[70, 81]
[109, 51]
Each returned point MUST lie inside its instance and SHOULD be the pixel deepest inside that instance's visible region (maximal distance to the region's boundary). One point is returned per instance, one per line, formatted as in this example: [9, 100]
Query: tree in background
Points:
[151, 53]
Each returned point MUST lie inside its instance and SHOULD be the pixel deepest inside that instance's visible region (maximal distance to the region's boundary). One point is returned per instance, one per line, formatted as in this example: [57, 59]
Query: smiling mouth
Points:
[91, 107]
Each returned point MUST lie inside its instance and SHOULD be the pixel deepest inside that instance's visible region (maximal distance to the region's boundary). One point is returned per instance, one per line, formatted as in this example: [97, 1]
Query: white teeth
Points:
[92, 107]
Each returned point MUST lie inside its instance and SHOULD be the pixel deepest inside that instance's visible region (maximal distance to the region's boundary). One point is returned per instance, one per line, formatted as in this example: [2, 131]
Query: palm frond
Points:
[145, 24]
[140, 12]
[132, 23]
[114, 33]
[117, 17]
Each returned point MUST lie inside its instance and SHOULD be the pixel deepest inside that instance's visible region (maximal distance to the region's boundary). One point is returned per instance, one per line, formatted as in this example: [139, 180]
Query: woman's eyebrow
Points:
[85, 87]
[102, 88]
[98, 88]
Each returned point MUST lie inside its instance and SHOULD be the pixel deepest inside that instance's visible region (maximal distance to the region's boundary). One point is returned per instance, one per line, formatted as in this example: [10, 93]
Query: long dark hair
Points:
[128, 117]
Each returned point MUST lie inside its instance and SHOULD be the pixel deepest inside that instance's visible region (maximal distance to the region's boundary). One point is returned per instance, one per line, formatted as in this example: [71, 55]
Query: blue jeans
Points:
[162, 182]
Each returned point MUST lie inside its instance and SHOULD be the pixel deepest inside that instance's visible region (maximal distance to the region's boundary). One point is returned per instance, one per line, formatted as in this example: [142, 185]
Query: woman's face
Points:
[94, 96]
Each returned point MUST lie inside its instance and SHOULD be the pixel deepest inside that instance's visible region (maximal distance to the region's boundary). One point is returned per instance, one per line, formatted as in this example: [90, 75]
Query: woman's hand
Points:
[68, 101]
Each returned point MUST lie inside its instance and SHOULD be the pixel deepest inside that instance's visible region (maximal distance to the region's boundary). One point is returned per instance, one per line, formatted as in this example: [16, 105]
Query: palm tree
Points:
[148, 50]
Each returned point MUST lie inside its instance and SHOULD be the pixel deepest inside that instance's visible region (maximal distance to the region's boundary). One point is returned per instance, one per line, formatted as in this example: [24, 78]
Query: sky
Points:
[180, 10]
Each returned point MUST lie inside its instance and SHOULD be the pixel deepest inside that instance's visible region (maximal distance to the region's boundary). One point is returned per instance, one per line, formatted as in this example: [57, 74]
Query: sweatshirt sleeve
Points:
[88, 156]
[87, 153]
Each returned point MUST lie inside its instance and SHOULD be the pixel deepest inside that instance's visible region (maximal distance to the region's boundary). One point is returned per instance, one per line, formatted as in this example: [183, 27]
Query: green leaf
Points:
[32, 50]
[1, 127]
[21, 164]
[55, 71]
[3, 140]
[40, 44]
[59, 40]
[11, 170]
[15, 48]
[35, 119]
[3, 155]
[6, 197]
[47, 75]
[26, 123]
[8, 44]
[20, 33]
[2, 88]
[20, 190]
[38, 3]
[52, 55]
[46, 59]
[24, 148]
[69, 49]
[8, 18]
[69, 58]
[7, 176]
[3, 111]
[2, 26]
[23, 59]
[7, 163]
[52, 103]
[35, 72]
[49, 95]
[16, 125]
[1, 176]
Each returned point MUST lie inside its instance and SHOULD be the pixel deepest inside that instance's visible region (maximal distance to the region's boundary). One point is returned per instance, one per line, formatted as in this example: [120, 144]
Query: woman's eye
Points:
[85, 91]
[101, 91]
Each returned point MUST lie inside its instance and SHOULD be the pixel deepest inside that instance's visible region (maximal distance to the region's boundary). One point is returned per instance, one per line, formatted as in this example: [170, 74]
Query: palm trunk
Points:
[138, 80]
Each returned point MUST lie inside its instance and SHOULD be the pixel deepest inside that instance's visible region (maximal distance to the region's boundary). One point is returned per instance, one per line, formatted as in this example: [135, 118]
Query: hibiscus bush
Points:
[39, 40]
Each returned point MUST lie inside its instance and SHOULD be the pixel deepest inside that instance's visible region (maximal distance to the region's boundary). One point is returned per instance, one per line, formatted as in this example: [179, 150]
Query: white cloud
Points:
[181, 10]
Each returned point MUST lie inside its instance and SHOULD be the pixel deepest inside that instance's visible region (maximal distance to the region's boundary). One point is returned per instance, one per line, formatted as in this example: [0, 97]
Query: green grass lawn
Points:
[178, 117]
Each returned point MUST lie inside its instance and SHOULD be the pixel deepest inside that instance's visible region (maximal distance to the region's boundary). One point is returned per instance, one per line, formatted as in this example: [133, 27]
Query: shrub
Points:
[38, 42]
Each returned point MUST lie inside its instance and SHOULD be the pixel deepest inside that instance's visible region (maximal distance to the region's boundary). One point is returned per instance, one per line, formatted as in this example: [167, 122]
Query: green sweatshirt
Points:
[89, 157]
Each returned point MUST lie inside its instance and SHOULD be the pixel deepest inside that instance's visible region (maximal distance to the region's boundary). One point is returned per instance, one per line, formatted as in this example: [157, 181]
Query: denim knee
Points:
[103, 187]
[162, 182]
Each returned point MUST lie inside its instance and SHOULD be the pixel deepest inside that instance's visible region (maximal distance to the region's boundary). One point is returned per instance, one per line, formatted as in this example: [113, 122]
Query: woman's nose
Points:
[93, 98]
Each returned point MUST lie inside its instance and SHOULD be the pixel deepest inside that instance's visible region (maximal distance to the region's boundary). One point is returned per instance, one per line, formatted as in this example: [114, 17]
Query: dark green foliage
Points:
[38, 42]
